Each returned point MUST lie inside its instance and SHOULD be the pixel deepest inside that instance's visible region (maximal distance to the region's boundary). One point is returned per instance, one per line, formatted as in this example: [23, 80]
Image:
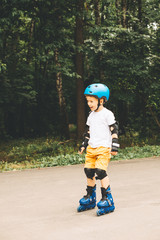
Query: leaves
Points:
[42, 153]
[122, 51]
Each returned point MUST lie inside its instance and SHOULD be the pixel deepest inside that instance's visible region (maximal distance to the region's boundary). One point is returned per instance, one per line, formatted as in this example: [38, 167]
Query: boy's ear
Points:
[101, 101]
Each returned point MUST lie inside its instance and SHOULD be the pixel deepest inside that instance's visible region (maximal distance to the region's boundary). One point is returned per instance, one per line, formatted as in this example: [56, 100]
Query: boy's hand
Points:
[114, 153]
[81, 151]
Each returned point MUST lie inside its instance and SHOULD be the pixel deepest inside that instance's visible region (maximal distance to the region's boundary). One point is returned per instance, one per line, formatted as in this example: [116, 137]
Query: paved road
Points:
[41, 204]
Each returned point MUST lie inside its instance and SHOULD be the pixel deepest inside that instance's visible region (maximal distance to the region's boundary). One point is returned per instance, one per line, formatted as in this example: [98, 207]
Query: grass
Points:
[40, 153]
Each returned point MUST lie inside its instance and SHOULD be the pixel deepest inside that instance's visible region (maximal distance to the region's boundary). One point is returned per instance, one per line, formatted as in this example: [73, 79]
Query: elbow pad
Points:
[114, 128]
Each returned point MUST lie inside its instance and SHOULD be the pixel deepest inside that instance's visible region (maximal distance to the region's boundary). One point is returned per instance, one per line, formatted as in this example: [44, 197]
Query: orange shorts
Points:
[97, 157]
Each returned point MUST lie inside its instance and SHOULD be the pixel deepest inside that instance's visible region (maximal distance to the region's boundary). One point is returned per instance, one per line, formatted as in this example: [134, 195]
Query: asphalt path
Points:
[41, 204]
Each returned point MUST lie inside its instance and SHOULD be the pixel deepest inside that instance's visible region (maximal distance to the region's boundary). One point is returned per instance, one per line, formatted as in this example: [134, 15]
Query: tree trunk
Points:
[79, 70]
[30, 41]
[124, 10]
[118, 11]
[62, 103]
[140, 10]
[97, 12]
[98, 23]
[154, 116]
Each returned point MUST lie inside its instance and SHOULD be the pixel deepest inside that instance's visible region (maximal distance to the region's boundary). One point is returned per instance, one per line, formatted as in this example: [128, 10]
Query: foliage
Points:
[42, 152]
[22, 150]
[125, 56]
[121, 49]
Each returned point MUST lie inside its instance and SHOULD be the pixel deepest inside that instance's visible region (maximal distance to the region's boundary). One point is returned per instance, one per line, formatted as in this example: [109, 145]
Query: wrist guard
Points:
[115, 145]
[85, 141]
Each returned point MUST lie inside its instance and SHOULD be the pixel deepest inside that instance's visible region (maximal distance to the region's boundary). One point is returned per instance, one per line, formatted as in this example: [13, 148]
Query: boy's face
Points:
[92, 102]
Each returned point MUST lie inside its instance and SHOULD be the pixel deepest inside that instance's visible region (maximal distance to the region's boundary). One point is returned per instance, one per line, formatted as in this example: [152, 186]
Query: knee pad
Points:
[90, 172]
[100, 173]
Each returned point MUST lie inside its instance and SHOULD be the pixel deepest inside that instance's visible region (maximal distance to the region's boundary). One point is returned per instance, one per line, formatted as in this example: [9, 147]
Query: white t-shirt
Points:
[98, 122]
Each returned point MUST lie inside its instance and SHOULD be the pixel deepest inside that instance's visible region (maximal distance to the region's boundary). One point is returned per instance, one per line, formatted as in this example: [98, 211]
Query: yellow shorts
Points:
[98, 157]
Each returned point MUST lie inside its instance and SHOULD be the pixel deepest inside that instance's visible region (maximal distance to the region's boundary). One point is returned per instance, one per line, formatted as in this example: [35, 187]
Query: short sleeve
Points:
[110, 118]
[88, 122]
[88, 119]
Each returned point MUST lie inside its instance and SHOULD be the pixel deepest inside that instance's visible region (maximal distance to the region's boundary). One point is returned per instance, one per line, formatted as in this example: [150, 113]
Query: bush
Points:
[40, 153]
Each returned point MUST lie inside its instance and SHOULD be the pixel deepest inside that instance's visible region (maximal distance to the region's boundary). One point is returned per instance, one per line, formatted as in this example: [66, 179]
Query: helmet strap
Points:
[98, 105]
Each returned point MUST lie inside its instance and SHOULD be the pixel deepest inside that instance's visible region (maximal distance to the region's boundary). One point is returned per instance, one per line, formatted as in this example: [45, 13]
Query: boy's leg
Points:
[91, 182]
[106, 204]
[89, 200]
[103, 159]
[89, 167]
[105, 182]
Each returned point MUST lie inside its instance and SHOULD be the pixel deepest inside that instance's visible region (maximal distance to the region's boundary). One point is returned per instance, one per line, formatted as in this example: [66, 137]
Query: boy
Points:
[101, 140]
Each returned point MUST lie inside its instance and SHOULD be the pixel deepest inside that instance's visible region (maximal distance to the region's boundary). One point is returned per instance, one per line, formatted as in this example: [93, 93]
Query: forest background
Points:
[50, 50]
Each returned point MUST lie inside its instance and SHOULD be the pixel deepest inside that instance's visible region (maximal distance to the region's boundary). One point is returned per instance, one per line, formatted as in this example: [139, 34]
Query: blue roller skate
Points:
[106, 204]
[88, 201]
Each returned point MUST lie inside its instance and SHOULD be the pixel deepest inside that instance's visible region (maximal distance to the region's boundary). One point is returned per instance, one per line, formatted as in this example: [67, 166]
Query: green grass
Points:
[40, 153]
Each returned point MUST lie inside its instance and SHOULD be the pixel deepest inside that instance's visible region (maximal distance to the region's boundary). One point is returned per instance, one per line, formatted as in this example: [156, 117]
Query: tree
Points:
[62, 103]
[51, 50]
[80, 69]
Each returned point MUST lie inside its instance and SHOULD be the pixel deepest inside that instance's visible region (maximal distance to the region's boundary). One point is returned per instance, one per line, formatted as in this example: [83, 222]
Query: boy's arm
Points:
[115, 143]
[86, 137]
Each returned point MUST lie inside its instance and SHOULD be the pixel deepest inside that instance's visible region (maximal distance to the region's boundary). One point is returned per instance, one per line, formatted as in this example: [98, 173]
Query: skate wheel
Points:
[80, 209]
[99, 212]
[103, 211]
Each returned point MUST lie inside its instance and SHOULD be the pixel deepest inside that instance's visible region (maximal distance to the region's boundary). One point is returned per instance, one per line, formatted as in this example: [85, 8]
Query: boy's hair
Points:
[104, 99]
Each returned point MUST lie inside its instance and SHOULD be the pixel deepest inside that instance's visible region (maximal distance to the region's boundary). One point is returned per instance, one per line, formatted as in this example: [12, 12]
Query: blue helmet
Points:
[98, 90]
